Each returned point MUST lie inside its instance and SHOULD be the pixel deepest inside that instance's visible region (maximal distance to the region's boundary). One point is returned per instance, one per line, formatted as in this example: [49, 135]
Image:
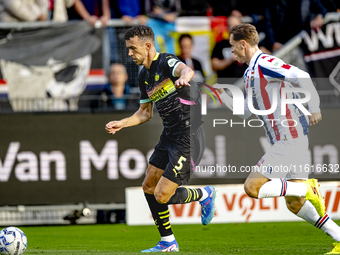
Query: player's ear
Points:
[148, 45]
[243, 44]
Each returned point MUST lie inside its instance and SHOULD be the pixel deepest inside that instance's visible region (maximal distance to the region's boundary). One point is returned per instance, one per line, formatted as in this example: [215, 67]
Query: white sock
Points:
[280, 187]
[169, 238]
[204, 196]
[325, 223]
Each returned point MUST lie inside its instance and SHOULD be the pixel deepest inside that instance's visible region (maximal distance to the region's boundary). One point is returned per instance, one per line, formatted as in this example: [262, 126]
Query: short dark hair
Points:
[245, 32]
[141, 31]
[184, 36]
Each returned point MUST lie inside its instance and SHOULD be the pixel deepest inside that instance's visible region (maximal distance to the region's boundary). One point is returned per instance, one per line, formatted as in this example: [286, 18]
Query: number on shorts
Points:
[180, 164]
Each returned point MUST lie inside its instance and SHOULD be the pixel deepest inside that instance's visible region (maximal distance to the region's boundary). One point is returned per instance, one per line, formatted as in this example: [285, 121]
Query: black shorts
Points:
[178, 156]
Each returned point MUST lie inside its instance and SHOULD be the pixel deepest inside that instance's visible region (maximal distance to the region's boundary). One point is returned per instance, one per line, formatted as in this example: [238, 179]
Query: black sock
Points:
[160, 214]
[185, 195]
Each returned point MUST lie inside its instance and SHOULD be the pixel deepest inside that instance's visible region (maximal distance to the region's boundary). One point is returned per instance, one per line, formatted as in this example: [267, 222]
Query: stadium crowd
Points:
[279, 20]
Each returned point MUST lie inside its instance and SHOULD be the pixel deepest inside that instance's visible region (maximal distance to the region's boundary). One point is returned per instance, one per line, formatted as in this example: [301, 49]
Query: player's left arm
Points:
[303, 79]
[184, 73]
[277, 70]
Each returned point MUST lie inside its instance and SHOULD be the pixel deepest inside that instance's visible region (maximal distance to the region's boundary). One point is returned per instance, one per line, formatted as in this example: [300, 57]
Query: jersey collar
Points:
[155, 58]
[253, 58]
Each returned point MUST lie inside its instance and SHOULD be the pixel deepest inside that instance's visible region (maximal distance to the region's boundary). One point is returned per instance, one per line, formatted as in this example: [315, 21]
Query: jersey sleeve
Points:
[144, 98]
[303, 79]
[274, 69]
[171, 63]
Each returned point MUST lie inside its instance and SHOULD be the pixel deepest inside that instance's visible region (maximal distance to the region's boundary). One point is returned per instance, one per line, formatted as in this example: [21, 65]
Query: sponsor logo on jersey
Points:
[162, 90]
[278, 62]
[171, 62]
[156, 77]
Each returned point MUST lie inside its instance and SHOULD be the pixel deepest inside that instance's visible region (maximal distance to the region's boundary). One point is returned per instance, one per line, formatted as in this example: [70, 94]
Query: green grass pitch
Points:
[245, 238]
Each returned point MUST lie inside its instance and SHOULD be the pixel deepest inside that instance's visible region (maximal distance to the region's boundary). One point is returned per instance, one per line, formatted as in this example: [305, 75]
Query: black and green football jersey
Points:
[179, 108]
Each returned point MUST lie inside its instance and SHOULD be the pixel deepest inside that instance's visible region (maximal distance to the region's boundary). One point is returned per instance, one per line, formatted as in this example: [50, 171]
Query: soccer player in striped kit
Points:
[286, 133]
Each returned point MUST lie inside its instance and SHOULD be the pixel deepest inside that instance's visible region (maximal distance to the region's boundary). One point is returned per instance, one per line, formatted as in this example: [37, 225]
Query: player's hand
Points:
[113, 126]
[315, 118]
[181, 82]
[219, 90]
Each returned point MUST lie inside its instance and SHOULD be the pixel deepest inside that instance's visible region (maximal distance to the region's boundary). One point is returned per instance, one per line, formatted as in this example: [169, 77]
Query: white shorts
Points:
[286, 159]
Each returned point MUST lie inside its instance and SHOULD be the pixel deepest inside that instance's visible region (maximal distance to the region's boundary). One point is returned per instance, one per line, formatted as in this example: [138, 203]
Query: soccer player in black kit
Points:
[164, 80]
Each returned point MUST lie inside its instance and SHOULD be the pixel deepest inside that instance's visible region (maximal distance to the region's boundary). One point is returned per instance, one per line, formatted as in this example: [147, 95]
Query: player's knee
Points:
[294, 204]
[292, 208]
[250, 189]
[147, 188]
[161, 197]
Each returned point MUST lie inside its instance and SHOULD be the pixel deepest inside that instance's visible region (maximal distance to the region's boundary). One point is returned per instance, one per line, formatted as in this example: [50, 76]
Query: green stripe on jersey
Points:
[142, 101]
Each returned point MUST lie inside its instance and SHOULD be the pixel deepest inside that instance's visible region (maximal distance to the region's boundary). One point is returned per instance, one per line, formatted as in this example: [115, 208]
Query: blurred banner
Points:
[205, 32]
[233, 205]
[163, 40]
[69, 158]
[48, 62]
[321, 49]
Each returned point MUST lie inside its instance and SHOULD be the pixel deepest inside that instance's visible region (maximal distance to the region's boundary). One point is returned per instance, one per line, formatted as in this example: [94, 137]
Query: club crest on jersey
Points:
[156, 77]
[171, 62]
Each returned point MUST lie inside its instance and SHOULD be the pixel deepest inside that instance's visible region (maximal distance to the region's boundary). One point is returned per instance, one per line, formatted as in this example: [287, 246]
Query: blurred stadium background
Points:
[58, 165]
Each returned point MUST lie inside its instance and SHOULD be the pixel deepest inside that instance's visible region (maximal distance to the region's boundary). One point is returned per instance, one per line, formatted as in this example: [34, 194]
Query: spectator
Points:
[23, 10]
[186, 46]
[223, 61]
[117, 88]
[163, 10]
[286, 18]
[92, 11]
[59, 8]
[130, 10]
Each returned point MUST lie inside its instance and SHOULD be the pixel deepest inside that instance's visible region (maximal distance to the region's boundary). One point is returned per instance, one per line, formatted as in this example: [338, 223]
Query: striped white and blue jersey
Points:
[266, 74]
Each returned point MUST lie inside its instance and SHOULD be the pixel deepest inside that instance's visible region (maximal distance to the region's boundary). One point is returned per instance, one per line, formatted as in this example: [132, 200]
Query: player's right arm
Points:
[228, 101]
[276, 70]
[143, 114]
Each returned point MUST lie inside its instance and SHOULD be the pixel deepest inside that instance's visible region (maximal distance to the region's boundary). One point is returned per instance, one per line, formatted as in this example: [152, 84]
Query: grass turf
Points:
[245, 238]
